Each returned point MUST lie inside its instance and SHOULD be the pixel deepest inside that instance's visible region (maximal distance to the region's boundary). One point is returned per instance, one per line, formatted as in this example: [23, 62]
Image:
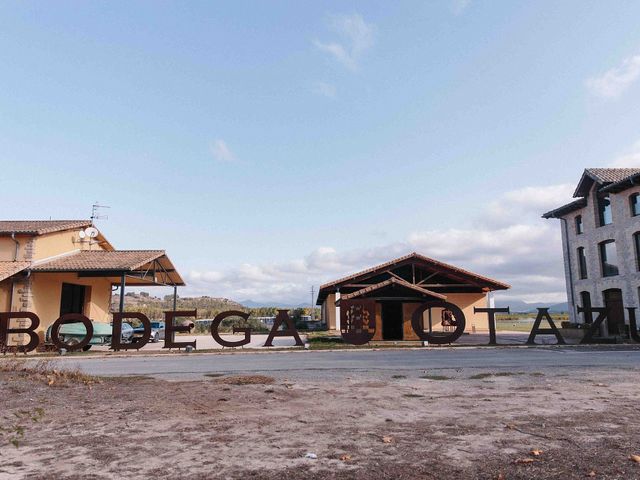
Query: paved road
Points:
[206, 342]
[331, 364]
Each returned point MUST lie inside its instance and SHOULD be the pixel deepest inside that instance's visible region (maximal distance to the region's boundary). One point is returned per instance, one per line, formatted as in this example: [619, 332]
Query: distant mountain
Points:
[518, 306]
[253, 304]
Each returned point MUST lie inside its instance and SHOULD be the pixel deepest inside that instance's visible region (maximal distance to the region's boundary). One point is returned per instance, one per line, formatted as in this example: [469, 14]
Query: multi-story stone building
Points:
[601, 245]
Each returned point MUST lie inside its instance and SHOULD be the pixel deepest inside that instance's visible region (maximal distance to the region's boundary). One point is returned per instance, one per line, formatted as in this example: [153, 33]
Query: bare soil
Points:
[493, 425]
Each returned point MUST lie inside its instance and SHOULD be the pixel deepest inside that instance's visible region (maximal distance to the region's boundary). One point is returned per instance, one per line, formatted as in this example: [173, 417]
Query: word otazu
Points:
[356, 319]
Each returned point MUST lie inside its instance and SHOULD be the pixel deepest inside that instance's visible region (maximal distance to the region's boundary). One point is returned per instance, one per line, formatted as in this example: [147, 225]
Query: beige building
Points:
[400, 286]
[55, 267]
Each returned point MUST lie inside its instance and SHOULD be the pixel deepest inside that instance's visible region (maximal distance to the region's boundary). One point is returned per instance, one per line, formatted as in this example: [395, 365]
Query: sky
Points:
[272, 146]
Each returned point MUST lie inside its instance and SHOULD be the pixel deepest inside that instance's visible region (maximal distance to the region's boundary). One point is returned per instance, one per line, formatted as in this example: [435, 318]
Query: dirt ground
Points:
[457, 424]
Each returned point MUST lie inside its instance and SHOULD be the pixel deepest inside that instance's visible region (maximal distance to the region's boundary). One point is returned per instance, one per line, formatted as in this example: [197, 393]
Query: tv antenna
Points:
[95, 212]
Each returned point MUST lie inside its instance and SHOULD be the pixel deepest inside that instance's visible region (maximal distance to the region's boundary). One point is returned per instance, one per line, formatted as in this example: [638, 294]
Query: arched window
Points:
[634, 203]
[582, 263]
[609, 258]
[636, 245]
[579, 225]
[604, 210]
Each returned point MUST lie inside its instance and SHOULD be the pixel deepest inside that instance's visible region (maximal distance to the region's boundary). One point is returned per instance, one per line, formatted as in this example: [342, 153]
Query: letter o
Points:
[448, 337]
[71, 318]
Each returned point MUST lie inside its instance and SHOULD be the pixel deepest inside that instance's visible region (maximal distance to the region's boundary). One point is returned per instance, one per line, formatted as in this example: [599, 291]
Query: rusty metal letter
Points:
[290, 331]
[357, 321]
[492, 320]
[71, 318]
[438, 338]
[170, 329]
[216, 324]
[595, 326]
[5, 331]
[536, 330]
[116, 333]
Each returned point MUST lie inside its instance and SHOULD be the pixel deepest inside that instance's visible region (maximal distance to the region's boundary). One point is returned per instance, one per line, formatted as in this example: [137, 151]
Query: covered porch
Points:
[84, 282]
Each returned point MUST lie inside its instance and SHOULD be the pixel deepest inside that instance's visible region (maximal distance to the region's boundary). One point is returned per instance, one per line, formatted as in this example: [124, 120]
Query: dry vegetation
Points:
[454, 424]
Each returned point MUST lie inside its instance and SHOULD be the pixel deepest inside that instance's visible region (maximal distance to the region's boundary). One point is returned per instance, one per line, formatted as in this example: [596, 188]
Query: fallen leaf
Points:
[536, 453]
[524, 460]
[591, 474]
[345, 457]
[634, 458]
[387, 439]
[510, 426]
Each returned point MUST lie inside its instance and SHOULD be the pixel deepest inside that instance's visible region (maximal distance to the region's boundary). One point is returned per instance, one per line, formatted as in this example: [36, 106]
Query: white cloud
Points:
[221, 152]
[616, 81]
[459, 6]
[526, 202]
[324, 89]
[356, 37]
[631, 158]
[523, 250]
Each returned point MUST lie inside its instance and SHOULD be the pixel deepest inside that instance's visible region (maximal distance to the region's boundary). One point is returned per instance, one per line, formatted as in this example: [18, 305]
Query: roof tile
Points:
[40, 227]
[8, 269]
[490, 283]
[609, 175]
[125, 260]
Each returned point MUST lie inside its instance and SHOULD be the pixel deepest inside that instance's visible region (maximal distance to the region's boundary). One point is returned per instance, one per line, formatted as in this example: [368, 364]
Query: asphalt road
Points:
[330, 364]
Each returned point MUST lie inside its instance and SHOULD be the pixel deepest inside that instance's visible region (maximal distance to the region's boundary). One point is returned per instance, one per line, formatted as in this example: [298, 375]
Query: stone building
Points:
[601, 245]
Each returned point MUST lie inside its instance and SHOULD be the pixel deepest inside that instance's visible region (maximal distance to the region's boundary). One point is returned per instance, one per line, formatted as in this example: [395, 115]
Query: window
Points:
[604, 210]
[585, 298]
[634, 201]
[609, 258]
[579, 226]
[72, 298]
[582, 263]
[636, 244]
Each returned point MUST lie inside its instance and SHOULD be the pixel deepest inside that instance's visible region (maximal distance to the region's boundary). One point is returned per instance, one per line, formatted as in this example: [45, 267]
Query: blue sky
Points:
[270, 146]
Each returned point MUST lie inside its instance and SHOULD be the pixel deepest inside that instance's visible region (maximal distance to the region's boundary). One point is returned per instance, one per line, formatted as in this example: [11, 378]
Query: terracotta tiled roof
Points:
[418, 259]
[40, 227]
[8, 269]
[97, 260]
[610, 175]
[628, 182]
[603, 177]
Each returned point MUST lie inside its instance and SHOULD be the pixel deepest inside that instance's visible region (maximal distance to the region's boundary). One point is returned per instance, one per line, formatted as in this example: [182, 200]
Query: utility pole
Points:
[312, 298]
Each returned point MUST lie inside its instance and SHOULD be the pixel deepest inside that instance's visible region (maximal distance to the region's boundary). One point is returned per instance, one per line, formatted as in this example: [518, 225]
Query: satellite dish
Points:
[81, 234]
[91, 232]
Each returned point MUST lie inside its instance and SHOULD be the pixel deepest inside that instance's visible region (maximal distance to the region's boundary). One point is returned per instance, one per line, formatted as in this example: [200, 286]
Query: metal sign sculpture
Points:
[290, 331]
[536, 330]
[458, 321]
[358, 326]
[357, 321]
